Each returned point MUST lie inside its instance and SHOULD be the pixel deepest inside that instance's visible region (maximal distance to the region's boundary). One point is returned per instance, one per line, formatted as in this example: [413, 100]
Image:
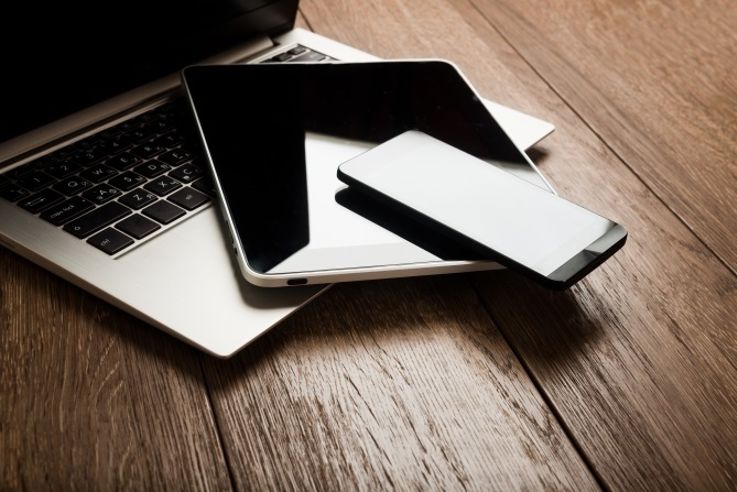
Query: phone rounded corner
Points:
[341, 174]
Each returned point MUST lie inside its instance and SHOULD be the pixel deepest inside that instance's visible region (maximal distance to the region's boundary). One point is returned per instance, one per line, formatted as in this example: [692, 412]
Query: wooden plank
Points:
[638, 359]
[92, 398]
[657, 80]
[392, 384]
[300, 21]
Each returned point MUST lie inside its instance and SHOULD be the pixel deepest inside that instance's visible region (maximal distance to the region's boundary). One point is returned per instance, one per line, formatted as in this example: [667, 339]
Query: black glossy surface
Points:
[256, 121]
[59, 57]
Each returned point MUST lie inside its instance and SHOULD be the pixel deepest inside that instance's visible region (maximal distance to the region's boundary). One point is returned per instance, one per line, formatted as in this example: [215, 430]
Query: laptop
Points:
[101, 174]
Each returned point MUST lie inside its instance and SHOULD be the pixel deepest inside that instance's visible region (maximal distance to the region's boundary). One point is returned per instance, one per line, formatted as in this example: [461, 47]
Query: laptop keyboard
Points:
[120, 186]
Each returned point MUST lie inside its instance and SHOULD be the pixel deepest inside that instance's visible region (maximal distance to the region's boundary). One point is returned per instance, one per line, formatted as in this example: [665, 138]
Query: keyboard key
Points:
[72, 185]
[140, 132]
[40, 201]
[124, 161]
[161, 125]
[297, 50]
[163, 185]
[86, 143]
[282, 57]
[205, 186]
[13, 193]
[148, 149]
[138, 198]
[127, 181]
[98, 173]
[61, 169]
[189, 198]
[67, 211]
[169, 140]
[110, 241]
[20, 171]
[137, 226]
[110, 133]
[163, 212]
[88, 157]
[310, 56]
[175, 157]
[114, 145]
[97, 219]
[187, 173]
[35, 180]
[101, 194]
[152, 169]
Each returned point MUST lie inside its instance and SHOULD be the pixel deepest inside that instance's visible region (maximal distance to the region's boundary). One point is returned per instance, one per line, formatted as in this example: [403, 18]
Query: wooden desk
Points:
[627, 381]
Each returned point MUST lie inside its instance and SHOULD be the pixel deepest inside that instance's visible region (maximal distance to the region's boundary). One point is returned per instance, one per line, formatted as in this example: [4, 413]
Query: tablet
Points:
[274, 136]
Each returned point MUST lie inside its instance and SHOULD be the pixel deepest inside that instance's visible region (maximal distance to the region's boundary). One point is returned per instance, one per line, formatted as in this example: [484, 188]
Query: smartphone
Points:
[485, 209]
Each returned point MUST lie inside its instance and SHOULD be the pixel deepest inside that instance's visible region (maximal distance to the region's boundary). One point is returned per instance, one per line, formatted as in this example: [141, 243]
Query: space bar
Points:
[97, 219]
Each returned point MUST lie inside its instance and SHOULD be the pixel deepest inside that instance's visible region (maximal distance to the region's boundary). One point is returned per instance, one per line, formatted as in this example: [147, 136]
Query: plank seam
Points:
[216, 421]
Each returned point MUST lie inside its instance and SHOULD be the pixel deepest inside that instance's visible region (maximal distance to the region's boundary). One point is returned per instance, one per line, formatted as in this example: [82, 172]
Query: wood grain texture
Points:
[91, 398]
[396, 384]
[657, 80]
[639, 359]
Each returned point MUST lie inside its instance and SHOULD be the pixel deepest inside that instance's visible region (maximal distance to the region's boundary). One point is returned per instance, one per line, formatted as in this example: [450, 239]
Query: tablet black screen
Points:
[276, 134]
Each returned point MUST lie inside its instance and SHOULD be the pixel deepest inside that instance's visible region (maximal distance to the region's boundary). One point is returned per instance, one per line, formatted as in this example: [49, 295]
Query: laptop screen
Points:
[59, 57]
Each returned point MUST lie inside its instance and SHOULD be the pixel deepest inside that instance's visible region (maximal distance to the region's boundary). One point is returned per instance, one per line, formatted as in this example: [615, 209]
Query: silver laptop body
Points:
[183, 279]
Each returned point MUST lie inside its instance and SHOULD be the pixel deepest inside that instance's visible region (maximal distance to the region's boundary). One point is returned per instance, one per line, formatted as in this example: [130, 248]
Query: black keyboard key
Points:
[4, 181]
[61, 169]
[67, 211]
[127, 181]
[152, 169]
[21, 171]
[97, 219]
[101, 194]
[138, 198]
[88, 157]
[124, 161]
[110, 134]
[161, 125]
[187, 173]
[72, 185]
[137, 226]
[35, 180]
[140, 132]
[282, 57]
[114, 145]
[98, 173]
[163, 185]
[310, 56]
[205, 186]
[163, 212]
[189, 199]
[41, 200]
[87, 143]
[13, 193]
[110, 241]
[297, 50]
[168, 141]
[175, 157]
[148, 150]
